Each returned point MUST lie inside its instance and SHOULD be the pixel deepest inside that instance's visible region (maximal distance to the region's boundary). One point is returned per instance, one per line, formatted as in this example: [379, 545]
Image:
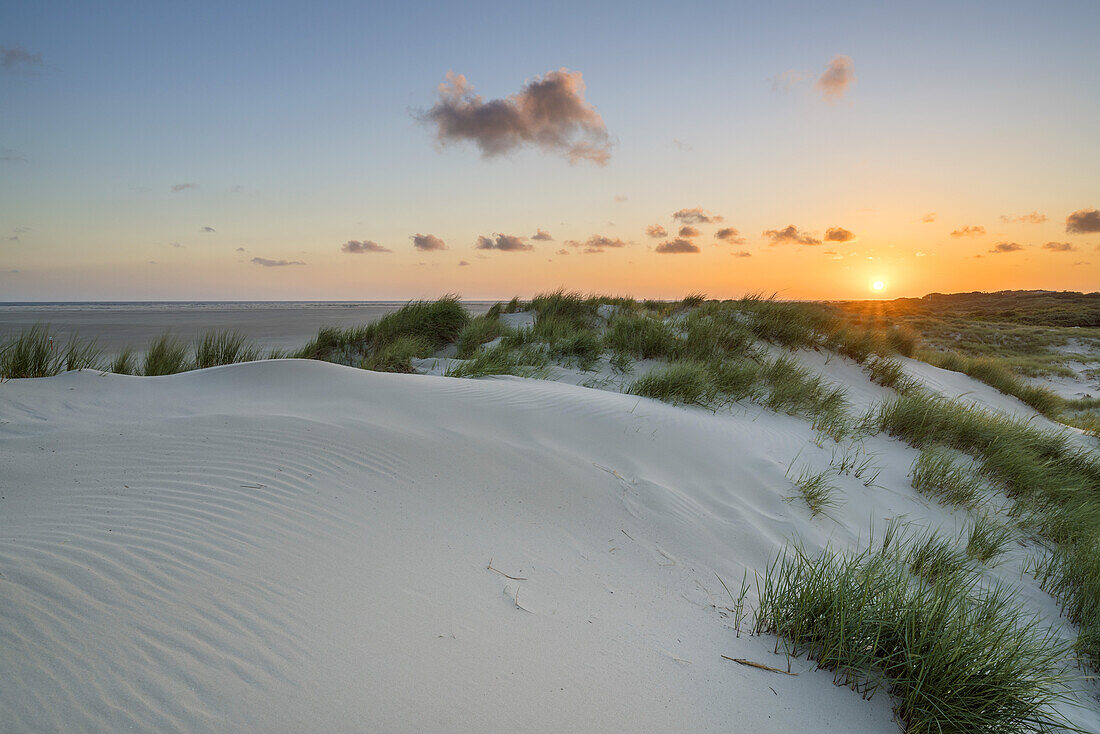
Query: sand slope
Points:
[299, 546]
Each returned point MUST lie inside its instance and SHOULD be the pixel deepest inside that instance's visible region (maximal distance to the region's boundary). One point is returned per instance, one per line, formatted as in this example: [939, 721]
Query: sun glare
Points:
[877, 285]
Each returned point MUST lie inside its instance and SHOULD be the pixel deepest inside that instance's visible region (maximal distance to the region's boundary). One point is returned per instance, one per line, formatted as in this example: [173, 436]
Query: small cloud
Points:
[152, 262]
[688, 231]
[969, 231]
[275, 263]
[175, 244]
[838, 76]
[356, 247]
[503, 242]
[619, 198]
[549, 112]
[427, 242]
[12, 156]
[786, 81]
[697, 216]
[19, 59]
[542, 236]
[1032, 218]
[838, 234]
[1002, 247]
[656, 231]
[1079, 262]
[680, 145]
[928, 218]
[597, 243]
[176, 188]
[207, 229]
[1083, 221]
[730, 235]
[741, 253]
[1059, 247]
[463, 264]
[241, 249]
[562, 252]
[790, 235]
[918, 253]
[678, 246]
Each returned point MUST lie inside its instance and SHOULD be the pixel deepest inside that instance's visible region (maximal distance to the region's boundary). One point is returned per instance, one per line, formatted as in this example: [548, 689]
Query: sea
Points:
[117, 325]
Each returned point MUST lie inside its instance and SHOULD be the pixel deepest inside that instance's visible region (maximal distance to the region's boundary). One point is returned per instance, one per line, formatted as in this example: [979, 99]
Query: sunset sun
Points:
[877, 285]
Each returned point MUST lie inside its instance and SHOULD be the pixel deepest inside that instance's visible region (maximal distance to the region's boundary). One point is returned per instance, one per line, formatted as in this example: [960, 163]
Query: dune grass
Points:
[957, 656]
[526, 361]
[1052, 480]
[166, 356]
[939, 474]
[816, 489]
[680, 383]
[478, 331]
[215, 348]
[34, 353]
[124, 363]
[431, 324]
[640, 336]
[987, 539]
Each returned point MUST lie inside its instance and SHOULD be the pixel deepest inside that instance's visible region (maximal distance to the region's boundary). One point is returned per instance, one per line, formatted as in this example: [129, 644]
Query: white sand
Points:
[300, 546]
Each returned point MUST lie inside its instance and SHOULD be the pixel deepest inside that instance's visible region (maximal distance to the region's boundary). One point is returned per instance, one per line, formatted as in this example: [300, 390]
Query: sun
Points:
[877, 285]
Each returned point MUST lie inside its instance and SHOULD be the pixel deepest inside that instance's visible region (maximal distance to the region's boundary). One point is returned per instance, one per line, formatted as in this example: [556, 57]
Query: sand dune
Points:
[299, 546]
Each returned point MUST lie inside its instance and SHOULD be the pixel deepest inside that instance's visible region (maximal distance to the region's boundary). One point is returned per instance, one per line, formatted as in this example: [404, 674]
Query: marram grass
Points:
[958, 657]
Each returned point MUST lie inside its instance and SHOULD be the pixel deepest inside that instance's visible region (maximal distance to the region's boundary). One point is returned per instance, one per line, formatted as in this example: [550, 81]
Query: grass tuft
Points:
[227, 347]
[955, 658]
[166, 356]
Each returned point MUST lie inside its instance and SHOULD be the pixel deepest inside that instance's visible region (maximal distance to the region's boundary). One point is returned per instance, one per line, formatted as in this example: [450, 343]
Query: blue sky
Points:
[295, 124]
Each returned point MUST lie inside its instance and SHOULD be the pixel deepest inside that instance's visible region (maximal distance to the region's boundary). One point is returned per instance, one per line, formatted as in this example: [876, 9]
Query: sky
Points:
[357, 151]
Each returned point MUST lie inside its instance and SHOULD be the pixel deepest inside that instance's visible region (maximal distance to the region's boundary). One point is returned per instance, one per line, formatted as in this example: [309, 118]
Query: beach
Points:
[294, 545]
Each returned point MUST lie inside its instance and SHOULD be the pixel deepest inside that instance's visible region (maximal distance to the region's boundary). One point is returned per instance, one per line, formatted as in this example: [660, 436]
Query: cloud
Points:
[969, 231]
[928, 218]
[619, 198]
[790, 235]
[12, 156]
[786, 81]
[427, 242]
[697, 216]
[549, 112]
[463, 264]
[1032, 218]
[1059, 247]
[741, 253]
[275, 263]
[541, 235]
[730, 235]
[680, 145]
[355, 247]
[597, 243]
[17, 58]
[176, 188]
[1083, 221]
[688, 231]
[838, 234]
[838, 76]
[656, 231]
[503, 242]
[562, 252]
[678, 246]
[175, 244]
[207, 229]
[1002, 247]
[241, 249]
